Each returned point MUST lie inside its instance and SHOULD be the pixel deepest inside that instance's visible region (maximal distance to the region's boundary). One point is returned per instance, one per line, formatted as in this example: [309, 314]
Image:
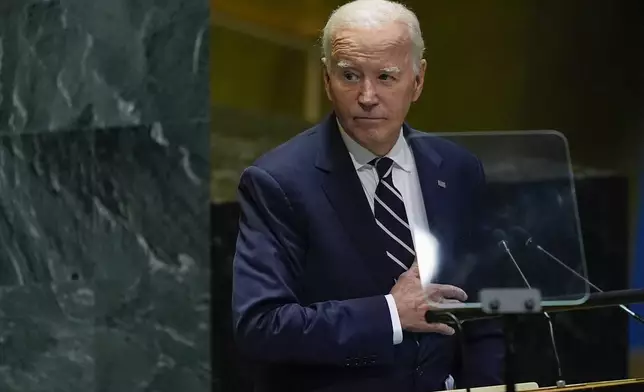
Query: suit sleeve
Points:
[270, 324]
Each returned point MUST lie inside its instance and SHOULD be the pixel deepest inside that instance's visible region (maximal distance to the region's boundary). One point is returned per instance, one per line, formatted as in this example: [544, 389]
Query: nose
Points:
[368, 97]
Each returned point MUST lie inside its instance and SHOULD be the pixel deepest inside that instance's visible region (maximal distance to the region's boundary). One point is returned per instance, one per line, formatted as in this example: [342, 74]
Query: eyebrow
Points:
[391, 69]
[345, 64]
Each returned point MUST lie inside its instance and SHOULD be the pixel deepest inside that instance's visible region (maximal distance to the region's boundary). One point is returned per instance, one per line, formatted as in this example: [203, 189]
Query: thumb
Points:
[414, 269]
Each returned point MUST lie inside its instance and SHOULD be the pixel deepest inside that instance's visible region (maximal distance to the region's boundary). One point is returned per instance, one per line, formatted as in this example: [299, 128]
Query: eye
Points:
[350, 76]
[385, 77]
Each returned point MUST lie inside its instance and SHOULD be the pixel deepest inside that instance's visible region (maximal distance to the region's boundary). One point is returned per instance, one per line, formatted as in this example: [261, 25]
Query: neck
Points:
[381, 149]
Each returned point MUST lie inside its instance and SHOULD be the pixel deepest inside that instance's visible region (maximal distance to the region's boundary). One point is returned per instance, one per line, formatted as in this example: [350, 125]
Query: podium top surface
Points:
[635, 384]
[522, 387]
[628, 385]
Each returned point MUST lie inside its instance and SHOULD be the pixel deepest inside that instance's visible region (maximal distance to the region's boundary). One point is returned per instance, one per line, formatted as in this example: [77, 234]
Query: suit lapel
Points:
[428, 166]
[344, 191]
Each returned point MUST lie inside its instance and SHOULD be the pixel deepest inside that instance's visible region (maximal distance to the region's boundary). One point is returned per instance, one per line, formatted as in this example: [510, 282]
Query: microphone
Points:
[529, 242]
[500, 236]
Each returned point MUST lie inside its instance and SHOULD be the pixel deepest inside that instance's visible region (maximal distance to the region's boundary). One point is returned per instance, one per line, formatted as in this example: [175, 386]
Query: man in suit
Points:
[327, 295]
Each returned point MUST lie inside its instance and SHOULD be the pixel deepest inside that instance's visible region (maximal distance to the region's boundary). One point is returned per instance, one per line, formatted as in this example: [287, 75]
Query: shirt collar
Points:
[360, 156]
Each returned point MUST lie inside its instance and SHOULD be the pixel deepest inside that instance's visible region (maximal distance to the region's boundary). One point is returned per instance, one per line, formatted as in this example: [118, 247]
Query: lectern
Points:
[522, 250]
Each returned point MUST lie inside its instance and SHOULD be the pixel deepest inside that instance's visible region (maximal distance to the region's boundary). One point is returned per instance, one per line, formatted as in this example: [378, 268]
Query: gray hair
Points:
[370, 14]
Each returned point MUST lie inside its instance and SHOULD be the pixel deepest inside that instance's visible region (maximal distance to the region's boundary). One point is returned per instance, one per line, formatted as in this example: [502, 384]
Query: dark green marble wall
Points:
[104, 197]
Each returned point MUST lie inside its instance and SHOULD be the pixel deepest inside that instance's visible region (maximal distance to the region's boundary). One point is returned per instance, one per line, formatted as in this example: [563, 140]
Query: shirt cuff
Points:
[395, 319]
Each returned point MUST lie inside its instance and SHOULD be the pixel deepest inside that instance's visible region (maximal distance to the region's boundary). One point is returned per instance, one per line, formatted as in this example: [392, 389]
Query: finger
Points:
[452, 292]
[440, 328]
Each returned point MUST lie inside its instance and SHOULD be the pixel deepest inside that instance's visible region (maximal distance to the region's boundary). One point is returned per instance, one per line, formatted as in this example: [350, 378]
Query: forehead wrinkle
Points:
[360, 44]
[375, 39]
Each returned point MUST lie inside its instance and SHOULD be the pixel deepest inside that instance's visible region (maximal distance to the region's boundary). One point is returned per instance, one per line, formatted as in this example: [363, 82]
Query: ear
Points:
[326, 78]
[419, 80]
[325, 71]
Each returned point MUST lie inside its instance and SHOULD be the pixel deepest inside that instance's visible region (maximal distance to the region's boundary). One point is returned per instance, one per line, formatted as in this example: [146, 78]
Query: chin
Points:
[379, 132]
[371, 138]
[370, 133]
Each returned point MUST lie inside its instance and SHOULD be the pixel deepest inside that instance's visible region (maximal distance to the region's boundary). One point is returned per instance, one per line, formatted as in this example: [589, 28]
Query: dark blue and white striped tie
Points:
[389, 211]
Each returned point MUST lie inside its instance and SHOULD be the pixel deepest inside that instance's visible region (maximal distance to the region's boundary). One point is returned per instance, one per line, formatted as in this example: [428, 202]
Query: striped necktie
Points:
[389, 211]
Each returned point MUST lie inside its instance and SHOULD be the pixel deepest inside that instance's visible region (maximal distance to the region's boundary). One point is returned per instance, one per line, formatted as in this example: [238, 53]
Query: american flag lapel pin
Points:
[442, 184]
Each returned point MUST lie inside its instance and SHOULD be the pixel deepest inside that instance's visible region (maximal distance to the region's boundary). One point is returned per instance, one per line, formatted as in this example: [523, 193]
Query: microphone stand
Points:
[553, 257]
[510, 322]
[525, 237]
[509, 304]
[510, 329]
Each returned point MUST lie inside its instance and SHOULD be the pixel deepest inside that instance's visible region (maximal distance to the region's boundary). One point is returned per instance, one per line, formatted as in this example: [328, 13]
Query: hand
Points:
[412, 301]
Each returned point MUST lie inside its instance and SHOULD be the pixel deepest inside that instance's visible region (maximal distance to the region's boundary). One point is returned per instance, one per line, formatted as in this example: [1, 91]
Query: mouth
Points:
[369, 118]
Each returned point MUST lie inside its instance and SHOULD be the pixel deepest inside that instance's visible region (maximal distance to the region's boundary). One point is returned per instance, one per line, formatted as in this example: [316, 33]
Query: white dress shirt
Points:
[405, 178]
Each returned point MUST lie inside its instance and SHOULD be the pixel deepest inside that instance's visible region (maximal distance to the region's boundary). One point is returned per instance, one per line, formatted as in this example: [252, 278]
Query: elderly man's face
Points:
[371, 83]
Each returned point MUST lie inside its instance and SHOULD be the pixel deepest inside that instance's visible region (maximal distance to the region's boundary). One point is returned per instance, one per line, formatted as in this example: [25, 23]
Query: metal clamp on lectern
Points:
[510, 301]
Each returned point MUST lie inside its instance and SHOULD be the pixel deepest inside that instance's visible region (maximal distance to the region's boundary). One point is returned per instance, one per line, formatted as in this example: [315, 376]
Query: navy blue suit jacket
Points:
[308, 294]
